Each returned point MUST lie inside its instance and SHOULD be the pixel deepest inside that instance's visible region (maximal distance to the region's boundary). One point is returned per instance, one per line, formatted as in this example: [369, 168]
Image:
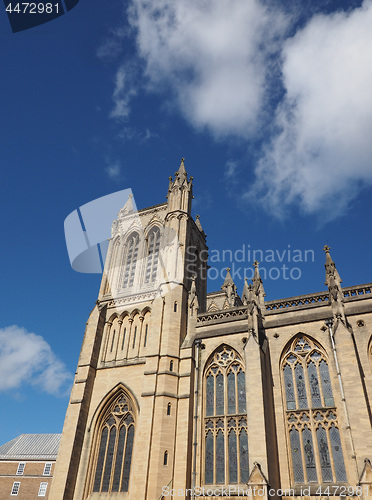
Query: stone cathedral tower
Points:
[208, 395]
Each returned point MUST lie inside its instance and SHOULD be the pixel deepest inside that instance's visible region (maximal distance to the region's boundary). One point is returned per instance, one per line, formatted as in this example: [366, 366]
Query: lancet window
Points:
[114, 447]
[130, 260]
[225, 420]
[313, 430]
[152, 255]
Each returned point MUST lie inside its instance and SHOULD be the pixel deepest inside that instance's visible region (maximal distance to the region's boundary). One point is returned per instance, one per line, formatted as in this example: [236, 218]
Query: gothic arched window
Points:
[152, 255]
[114, 447]
[130, 259]
[225, 420]
[314, 436]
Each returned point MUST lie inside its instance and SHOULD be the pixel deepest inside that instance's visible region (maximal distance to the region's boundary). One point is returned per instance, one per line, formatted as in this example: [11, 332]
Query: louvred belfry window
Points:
[314, 435]
[115, 446]
[130, 260]
[152, 255]
[225, 420]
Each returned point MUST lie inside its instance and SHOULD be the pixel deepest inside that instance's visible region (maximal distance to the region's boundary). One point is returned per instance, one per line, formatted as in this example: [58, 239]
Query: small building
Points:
[27, 466]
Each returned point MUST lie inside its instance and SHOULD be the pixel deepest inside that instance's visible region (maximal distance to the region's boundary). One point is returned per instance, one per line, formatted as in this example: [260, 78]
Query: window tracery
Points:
[314, 436]
[225, 420]
[114, 447]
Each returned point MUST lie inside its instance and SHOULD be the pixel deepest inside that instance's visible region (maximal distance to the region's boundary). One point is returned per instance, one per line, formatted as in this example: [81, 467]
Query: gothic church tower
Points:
[126, 428]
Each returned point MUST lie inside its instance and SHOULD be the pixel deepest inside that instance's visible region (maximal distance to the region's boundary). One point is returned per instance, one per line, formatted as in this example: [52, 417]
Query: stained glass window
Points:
[114, 456]
[233, 458]
[289, 388]
[119, 459]
[325, 461]
[337, 454]
[241, 392]
[226, 442]
[314, 385]
[231, 393]
[210, 395]
[309, 454]
[219, 394]
[220, 457]
[326, 384]
[209, 454]
[243, 455]
[314, 438]
[296, 456]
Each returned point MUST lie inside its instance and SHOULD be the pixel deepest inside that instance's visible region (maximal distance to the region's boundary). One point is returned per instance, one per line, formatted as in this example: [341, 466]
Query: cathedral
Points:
[180, 393]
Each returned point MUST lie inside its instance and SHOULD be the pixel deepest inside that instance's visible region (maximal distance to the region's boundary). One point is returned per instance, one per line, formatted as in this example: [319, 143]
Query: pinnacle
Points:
[228, 279]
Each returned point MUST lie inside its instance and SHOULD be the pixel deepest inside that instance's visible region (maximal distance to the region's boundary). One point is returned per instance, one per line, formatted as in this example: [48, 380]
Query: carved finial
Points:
[130, 195]
[228, 269]
[326, 248]
[257, 283]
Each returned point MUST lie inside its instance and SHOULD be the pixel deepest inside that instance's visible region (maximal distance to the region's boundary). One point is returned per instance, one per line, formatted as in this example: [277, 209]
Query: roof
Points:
[31, 447]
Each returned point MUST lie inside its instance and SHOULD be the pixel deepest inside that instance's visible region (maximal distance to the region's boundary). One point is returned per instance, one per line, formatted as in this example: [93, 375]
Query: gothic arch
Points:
[154, 223]
[112, 317]
[225, 434]
[112, 446]
[146, 310]
[313, 435]
[135, 312]
[124, 315]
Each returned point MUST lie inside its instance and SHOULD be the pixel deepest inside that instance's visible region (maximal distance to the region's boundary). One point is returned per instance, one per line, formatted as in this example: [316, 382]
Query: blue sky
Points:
[271, 106]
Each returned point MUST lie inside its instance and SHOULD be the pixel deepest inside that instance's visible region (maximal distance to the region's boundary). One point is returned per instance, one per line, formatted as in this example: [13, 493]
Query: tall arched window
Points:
[130, 259]
[314, 436]
[152, 255]
[225, 420]
[114, 447]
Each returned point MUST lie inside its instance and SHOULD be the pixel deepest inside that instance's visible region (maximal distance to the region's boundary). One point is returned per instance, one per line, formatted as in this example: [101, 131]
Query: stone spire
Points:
[229, 288]
[198, 225]
[333, 282]
[180, 190]
[181, 174]
[245, 294]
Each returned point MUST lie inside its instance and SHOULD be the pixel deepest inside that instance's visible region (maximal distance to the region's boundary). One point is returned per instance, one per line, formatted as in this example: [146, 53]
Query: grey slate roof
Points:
[31, 447]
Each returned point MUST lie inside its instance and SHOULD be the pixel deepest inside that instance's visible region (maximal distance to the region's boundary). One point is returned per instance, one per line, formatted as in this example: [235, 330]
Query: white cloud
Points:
[113, 170]
[211, 56]
[124, 91]
[112, 46]
[322, 152]
[26, 358]
[223, 64]
[230, 169]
